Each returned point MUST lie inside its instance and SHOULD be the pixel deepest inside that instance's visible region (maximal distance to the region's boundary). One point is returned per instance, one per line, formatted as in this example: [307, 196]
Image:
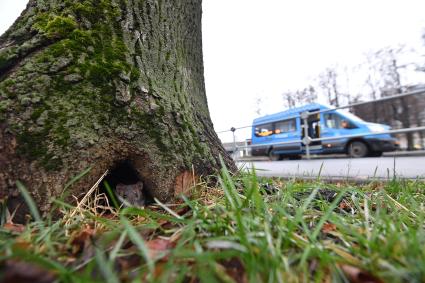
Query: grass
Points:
[247, 230]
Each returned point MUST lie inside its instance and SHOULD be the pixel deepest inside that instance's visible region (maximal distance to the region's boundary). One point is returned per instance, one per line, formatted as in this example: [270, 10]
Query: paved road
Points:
[359, 168]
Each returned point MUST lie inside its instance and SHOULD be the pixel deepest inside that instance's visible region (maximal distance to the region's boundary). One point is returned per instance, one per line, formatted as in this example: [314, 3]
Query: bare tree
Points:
[309, 94]
[299, 97]
[392, 85]
[289, 100]
[259, 105]
[329, 85]
[372, 82]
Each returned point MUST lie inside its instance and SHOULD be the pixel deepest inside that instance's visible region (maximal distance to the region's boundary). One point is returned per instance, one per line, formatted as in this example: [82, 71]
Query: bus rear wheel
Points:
[357, 149]
[274, 157]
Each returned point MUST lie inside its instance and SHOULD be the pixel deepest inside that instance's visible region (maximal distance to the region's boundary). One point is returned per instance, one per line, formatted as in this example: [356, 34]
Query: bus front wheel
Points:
[357, 149]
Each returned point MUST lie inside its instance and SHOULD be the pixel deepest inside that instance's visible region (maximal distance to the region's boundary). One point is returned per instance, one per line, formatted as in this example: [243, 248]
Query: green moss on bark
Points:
[56, 26]
[7, 56]
[94, 57]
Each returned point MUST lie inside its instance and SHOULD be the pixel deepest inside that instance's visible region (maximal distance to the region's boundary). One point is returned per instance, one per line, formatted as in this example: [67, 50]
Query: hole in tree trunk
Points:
[127, 185]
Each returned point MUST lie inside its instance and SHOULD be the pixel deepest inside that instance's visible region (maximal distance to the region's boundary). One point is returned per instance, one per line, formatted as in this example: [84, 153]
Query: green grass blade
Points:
[229, 185]
[300, 211]
[105, 267]
[111, 195]
[3, 212]
[114, 253]
[30, 202]
[138, 241]
[327, 214]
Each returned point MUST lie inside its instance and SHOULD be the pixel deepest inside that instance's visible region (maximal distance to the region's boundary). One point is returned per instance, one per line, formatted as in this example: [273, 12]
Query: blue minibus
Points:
[333, 126]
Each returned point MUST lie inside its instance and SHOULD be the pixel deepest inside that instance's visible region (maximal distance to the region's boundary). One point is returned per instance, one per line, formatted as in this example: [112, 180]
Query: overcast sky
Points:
[259, 49]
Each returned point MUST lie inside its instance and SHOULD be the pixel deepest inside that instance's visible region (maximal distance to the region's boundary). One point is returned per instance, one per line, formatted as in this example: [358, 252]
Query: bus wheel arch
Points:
[357, 148]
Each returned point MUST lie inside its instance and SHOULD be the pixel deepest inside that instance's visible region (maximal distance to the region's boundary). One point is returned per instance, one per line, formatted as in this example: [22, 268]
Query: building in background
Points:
[405, 112]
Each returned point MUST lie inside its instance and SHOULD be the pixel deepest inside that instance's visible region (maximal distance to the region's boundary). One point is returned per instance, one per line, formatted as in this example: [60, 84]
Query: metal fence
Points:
[307, 140]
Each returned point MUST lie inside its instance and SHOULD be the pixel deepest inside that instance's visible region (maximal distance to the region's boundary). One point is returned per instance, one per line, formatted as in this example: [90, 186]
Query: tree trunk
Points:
[112, 84]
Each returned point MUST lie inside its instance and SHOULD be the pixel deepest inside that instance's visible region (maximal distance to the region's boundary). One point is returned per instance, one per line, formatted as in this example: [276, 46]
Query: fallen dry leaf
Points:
[356, 275]
[159, 247]
[126, 263]
[328, 227]
[82, 240]
[12, 227]
[182, 211]
[312, 267]
[159, 269]
[22, 244]
[235, 269]
[344, 205]
[23, 272]
[166, 224]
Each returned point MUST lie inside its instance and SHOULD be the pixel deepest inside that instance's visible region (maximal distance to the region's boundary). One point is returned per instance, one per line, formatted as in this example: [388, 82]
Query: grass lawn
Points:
[245, 230]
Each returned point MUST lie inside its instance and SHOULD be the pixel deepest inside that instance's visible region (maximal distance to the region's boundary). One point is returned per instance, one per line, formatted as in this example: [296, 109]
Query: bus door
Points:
[336, 126]
[314, 130]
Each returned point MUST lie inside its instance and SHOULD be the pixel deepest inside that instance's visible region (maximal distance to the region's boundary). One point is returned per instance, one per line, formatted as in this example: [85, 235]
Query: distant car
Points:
[330, 125]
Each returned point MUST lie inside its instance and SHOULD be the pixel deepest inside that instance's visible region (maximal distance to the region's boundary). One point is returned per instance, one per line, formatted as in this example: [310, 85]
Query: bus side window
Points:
[285, 126]
[335, 121]
[264, 130]
[331, 120]
[346, 124]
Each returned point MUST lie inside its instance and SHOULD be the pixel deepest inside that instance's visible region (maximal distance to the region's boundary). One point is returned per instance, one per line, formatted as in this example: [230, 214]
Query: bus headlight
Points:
[376, 128]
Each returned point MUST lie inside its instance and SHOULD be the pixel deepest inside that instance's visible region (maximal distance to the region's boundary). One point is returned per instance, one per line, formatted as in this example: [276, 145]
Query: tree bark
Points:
[112, 84]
